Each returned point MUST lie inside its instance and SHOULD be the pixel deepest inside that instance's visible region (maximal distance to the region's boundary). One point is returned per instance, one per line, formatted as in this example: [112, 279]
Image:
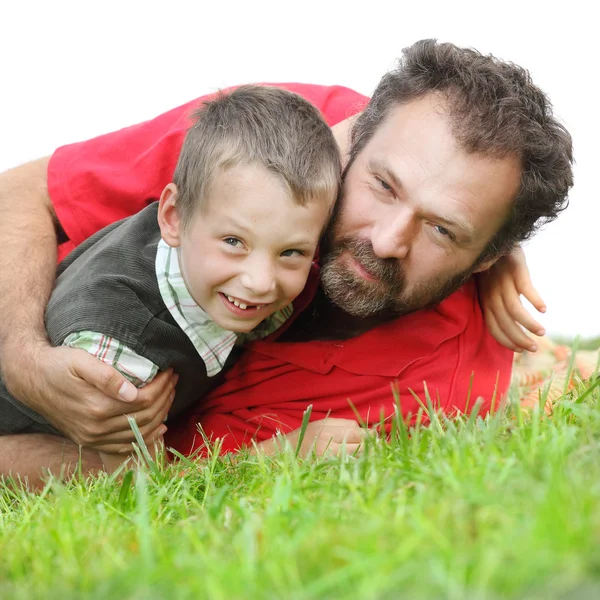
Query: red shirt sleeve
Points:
[98, 181]
[445, 353]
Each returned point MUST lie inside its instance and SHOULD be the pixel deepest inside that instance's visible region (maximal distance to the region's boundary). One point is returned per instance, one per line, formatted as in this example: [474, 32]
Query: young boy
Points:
[216, 262]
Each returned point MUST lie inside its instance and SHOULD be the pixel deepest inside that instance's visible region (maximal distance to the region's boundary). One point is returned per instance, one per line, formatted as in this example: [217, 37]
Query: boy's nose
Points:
[258, 279]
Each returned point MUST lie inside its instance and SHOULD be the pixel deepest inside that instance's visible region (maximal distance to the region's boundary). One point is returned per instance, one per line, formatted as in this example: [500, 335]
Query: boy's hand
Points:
[88, 400]
[327, 436]
[500, 288]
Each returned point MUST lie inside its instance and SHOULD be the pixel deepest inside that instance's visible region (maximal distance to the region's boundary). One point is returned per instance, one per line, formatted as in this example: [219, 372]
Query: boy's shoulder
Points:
[108, 284]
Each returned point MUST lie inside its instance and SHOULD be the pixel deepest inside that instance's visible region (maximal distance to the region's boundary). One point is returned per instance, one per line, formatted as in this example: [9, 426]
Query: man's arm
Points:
[28, 235]
[78, 394]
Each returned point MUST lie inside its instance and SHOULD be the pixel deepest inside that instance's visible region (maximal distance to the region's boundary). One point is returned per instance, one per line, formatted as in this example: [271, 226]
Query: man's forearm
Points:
[27, 271]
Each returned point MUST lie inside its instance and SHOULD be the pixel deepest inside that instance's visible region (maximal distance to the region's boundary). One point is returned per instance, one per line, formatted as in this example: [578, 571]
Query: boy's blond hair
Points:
[258, 125]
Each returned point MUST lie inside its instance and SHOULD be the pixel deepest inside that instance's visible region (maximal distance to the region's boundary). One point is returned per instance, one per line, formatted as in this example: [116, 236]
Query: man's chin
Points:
[360, 306]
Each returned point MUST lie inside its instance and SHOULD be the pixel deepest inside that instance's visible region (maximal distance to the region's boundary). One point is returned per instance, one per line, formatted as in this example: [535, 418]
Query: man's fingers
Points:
[354, 435]
[521, 315]
[513, 332]
[104, 377]
[155, 422]
[336, 449]
[148, 420]
[526, 289]
[126, 447]
[498, 333]
[111, 424]
[163, 384]
[152, 396]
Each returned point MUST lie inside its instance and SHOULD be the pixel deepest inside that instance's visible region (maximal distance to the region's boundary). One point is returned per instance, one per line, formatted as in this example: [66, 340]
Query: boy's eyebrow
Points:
[464, 230]
[230, 221]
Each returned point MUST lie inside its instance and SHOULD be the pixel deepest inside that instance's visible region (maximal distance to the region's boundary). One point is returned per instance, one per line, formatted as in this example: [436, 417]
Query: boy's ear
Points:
[169, 220]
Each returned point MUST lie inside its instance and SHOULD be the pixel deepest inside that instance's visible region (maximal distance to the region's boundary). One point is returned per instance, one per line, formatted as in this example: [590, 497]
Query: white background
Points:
[72, 70]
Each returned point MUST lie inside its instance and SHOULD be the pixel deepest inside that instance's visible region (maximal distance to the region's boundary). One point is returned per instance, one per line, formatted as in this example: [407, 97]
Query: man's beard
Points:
[385, 297]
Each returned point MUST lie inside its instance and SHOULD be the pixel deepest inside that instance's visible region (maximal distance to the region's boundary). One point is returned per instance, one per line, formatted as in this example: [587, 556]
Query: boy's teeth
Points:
[237, 303]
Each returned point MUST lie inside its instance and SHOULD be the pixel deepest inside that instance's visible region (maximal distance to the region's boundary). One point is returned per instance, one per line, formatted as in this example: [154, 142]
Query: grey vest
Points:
[108, 284]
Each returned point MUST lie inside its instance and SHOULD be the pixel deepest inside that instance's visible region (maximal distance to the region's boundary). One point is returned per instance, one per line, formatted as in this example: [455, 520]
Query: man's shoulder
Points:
[336, 102]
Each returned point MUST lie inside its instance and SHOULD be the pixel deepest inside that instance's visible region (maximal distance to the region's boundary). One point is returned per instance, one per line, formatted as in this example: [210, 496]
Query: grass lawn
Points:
[507, 507]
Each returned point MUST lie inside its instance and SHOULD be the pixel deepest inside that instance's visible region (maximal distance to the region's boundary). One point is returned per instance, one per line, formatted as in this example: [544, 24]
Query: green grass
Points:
[592, 343]
[506, 507]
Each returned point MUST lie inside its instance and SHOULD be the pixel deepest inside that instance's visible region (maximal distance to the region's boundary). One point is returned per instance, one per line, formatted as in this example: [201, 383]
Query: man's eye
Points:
[443, 231]
[232, 241]
[292, 252]
[384, 184]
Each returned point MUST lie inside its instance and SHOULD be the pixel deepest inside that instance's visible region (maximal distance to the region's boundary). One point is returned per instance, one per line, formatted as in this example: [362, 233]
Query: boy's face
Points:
[248, 254]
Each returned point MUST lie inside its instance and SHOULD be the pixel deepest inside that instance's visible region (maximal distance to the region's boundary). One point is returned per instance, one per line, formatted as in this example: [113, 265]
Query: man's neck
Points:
[323, 321]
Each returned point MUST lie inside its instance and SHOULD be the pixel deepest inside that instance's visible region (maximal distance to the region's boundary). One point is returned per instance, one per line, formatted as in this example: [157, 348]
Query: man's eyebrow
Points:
[464, 231]
[382, 165]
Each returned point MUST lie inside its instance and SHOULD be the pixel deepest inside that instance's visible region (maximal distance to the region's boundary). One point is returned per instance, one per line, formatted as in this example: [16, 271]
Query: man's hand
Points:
[328, 436]
[500, 288]
[87, 400]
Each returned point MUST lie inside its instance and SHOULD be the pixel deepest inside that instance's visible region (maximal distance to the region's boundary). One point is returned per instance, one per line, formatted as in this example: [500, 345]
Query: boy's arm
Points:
[76, 393]
[135, 368]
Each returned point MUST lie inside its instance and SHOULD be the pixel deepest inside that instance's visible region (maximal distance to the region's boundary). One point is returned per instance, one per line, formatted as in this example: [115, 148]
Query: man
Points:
[456, 158]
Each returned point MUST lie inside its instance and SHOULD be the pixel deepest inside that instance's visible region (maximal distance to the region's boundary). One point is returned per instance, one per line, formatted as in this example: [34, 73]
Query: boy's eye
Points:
[232, 241]
[292, 252]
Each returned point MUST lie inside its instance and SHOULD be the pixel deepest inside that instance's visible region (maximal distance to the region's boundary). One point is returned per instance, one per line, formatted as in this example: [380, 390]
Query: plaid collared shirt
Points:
[213, 343]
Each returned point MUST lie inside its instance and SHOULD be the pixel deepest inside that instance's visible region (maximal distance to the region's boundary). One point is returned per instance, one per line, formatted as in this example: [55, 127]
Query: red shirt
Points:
[447, 349]
[94, 183]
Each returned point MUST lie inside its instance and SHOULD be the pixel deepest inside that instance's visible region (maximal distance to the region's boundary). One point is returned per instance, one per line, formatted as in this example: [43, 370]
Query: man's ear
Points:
[486, 264]
[169, 219]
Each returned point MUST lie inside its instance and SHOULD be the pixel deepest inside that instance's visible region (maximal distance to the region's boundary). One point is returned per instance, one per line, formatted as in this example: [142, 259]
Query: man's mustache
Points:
[388, 271]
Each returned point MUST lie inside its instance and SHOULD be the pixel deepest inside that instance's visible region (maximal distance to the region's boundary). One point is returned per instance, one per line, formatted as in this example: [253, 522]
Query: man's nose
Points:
[392, 238]
[258, 277]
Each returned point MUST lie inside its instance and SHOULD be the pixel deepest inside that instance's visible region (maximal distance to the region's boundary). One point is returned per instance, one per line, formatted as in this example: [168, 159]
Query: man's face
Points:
[415, 215]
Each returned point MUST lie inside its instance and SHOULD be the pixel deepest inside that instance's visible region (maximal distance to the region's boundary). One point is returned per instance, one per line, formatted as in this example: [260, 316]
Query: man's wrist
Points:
[19, 359]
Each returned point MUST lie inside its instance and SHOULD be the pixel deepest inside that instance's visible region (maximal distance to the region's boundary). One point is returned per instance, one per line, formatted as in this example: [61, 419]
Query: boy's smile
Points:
[242, 308]
[247, 252]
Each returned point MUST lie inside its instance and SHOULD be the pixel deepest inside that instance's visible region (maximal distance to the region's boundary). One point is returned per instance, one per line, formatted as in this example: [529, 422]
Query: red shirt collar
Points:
[385, 350]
